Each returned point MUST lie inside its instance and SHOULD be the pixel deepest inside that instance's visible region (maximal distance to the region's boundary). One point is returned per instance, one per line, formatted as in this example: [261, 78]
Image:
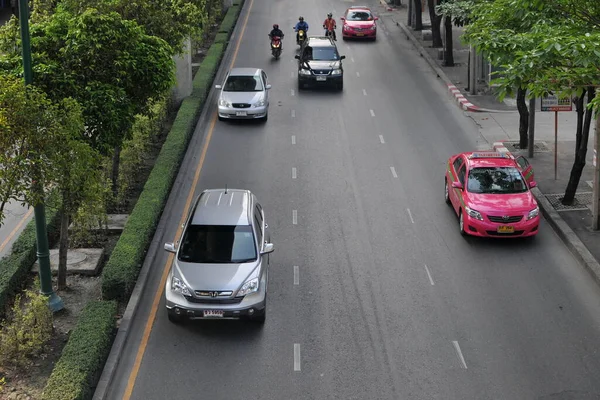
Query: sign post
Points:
[553, 103]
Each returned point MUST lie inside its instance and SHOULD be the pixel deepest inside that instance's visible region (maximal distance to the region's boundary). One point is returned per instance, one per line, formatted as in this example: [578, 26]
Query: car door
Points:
[462, 172]
[265, 83]
[525, 168]
[455, 193]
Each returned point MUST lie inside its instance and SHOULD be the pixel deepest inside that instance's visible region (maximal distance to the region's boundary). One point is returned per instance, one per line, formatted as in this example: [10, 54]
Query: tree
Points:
[417, 10]
[436, 20]
[457, 13]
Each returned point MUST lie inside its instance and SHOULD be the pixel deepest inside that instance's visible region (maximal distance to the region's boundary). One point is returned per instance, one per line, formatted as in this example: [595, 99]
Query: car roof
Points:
[320, 41]
[244, 71]
[359, 8]
[488, 159]
[223, 207]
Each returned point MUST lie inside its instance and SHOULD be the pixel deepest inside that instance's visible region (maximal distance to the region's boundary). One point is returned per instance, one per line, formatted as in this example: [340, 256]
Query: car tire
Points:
[300, 85]
[446, 192]
[344, 38]
[461, 223]
[340, 86]
[221, 118]
[265, 118]
[260, 318]
[176, 319]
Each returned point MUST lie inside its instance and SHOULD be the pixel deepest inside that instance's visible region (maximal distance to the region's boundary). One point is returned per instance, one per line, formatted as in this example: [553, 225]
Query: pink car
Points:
[359, 22]
[490, 193]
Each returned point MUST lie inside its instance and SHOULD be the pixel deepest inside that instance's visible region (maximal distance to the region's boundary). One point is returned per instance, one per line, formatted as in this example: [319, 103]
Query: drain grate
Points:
[583, 201]
[540, 147]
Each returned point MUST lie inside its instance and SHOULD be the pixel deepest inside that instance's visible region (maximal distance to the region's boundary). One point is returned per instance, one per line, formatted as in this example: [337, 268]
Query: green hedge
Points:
[15, 267]
[83, 357]
[121, 271]
[230, 19]
[221, 37]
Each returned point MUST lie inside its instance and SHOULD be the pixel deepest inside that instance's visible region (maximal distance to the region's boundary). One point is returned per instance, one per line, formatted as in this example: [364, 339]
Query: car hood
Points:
[242, 97]
[324, 65]
[214, 276]
[360, 24]
[502, 203]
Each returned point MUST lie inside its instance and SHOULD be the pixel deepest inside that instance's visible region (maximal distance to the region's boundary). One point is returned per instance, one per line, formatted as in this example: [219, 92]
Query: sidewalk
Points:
[499, 122]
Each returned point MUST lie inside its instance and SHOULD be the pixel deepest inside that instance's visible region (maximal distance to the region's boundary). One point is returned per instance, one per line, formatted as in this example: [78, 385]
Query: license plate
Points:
[213, 314]
[241, 113]
[506, 229]
[360, 34]
[321, 78]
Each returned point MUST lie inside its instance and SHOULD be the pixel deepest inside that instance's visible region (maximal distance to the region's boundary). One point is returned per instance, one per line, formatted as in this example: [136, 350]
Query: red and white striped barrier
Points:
[462, 100]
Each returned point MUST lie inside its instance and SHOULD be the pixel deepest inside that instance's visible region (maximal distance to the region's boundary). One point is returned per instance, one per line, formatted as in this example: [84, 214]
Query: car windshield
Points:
[218, 244]
[497, 180]
[243, 84]
[321, 54]
[359, 16]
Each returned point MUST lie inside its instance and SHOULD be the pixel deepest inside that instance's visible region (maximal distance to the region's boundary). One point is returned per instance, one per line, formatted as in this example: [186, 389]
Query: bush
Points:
[221, 37]
[15, 267]
[230, 19]
[27, 330]
[83, 357]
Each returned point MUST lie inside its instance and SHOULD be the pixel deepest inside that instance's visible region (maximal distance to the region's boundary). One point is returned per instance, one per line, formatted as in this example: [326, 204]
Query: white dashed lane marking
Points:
[381, 139]
[463, 364]
[394, 174]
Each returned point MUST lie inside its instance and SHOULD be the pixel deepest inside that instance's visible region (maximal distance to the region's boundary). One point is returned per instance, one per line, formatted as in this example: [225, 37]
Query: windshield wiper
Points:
[244, 260]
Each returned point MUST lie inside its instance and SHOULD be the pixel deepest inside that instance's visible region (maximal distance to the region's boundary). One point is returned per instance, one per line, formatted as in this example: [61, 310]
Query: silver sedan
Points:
[244, 95]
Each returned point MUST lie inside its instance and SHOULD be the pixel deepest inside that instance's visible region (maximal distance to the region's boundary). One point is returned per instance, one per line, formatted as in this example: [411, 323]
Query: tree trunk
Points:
[436, 21]
[115, 170]
[580, 112]
[449, 53]
[418, 10]
[523, 117]
[579, 162]
[63, 248]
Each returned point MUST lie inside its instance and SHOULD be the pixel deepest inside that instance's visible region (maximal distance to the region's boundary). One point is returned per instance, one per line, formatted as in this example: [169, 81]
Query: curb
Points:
[112, 363]
[562, 229]
[462, 100]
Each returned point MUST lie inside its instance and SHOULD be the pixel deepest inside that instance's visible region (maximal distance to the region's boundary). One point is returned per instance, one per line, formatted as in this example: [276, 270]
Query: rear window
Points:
[359, 16]
[496, 180]
[216, 244]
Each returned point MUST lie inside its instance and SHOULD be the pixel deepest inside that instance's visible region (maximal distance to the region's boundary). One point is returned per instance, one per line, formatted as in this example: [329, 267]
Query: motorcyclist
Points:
[276, 32]
[329, 25]
[301, 25]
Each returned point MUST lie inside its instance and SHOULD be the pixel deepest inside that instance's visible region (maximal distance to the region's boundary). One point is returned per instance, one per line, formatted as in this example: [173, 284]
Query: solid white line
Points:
[352, 59]
[293, 113]
[460, 355]
[410, 215]
[394, 172]
[295, 217]
[364, 92]
[357, 73]
[293, 139]
[294, 173]
[372, 113]
[292, 92]
[381, 139]
[296, 275]
[296, 356]
[429, 275]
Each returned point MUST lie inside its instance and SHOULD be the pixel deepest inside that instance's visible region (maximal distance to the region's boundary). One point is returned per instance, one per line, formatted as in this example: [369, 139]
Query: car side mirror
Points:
[457, 185]
[268, 86]
[376, 18]
[342, 18]
[342, 57]
[218, 86]
[297, 57]
[532, 184]
[170, 247]
[269, 248]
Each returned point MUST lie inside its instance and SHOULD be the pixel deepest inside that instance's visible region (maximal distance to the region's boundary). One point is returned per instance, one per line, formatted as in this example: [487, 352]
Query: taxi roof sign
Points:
[488, 154]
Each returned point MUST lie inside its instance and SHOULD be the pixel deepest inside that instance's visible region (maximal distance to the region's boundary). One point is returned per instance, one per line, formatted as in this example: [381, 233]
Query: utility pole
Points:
[43, 253]
[530, 138]
[472, 70]
[596, 194]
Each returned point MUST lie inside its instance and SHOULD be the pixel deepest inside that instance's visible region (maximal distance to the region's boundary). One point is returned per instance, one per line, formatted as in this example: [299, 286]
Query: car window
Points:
[359, 16]
[265, 80]
[496, 180]
[461, 174]
[321, 53]
[457, 163]
[523, 163]
[218, 244]
[259, 223]
[243, 84]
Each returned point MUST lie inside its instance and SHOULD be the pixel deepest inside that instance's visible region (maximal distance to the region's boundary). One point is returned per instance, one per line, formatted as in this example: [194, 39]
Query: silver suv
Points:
[221, 266]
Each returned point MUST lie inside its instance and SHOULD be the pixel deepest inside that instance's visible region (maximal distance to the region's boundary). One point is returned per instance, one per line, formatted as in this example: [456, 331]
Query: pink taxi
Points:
[490, 193]
[359, 22]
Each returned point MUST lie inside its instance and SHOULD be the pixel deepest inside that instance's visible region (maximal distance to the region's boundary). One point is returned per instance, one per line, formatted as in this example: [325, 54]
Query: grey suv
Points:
[220, 270]
[320, 64]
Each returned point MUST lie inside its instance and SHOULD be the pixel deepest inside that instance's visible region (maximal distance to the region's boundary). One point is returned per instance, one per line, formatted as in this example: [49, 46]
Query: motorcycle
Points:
[276, 47]
[301, 37]
[329, 33]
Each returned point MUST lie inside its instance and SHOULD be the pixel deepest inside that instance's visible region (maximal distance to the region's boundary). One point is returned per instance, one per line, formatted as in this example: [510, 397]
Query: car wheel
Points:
[221, 118]
[176, 319]
[461, 223]
[260, 318]
[300, 85]
[446, 192]
[340, 86]
[266, 117]
[344, 38]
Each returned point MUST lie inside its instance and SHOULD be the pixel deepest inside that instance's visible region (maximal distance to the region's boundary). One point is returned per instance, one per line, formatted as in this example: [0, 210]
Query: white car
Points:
[244, 95]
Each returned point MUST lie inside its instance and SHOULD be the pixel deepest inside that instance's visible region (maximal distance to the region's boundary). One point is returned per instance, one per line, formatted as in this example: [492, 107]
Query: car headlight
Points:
[474, 213]
[304, 72]
[249, 287]
[336, 72]
[260, 103]
[178, 286]
[224, 103]
[533, 213]
[373, 27]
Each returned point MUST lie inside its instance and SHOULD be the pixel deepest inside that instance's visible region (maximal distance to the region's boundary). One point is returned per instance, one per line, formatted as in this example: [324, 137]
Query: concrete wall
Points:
[183, 65]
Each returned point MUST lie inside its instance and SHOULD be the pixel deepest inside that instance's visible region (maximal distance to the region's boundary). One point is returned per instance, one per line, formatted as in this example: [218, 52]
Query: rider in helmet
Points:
[276, 32]
[301, 25]
[329, 25]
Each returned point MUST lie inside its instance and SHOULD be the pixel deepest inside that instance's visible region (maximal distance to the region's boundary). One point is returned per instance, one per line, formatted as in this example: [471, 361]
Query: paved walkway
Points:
[499, 121]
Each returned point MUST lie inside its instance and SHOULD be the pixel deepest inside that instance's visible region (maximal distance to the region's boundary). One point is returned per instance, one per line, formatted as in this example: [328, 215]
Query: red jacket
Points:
[329, 24]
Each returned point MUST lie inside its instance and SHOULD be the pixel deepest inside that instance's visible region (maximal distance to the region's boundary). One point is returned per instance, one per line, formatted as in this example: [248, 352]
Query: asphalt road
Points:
[391, 302]
[15, 220]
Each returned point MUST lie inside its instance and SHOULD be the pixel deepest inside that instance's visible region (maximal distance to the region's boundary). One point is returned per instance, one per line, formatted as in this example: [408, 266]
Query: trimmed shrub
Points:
[230, 20]
[221, 37]
[83, 357]
[15, 267]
